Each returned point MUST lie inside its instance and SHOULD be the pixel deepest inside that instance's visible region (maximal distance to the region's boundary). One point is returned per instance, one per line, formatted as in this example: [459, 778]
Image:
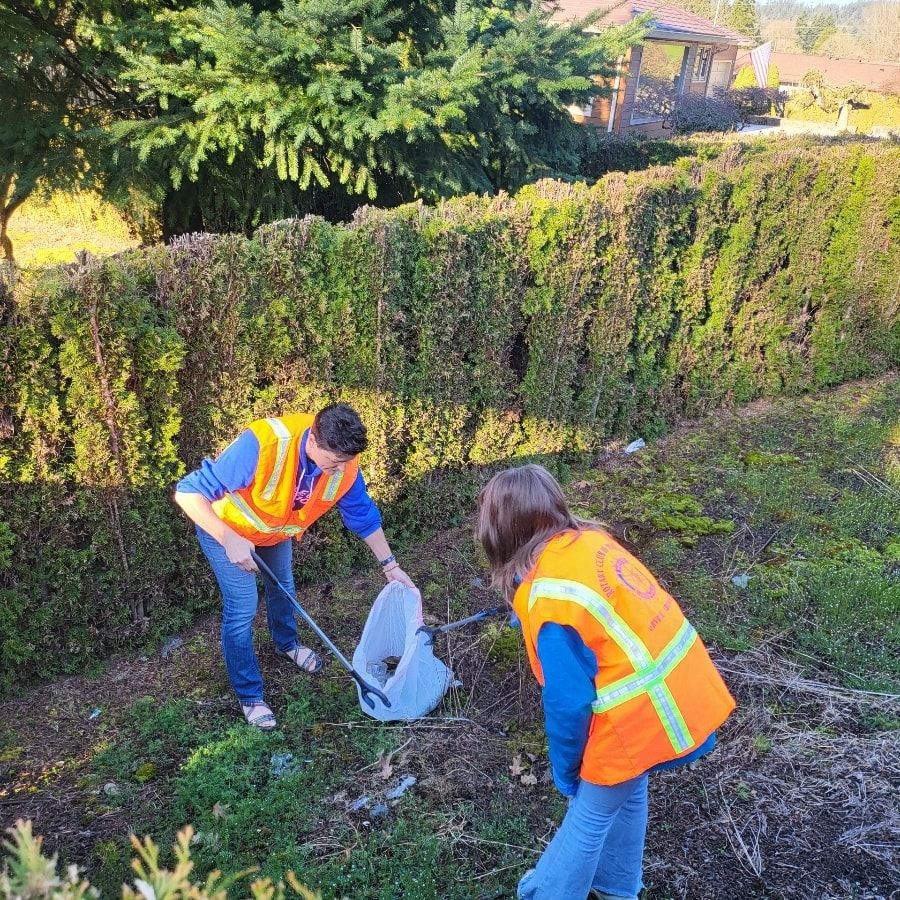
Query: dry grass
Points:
[806, 803]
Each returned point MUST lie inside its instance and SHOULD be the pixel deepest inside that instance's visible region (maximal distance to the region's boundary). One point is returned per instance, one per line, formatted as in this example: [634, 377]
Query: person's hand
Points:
[395, 573]
[238, 550]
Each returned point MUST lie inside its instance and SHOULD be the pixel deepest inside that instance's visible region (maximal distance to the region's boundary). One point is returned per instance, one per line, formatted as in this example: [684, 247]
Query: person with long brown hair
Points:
[627, 685]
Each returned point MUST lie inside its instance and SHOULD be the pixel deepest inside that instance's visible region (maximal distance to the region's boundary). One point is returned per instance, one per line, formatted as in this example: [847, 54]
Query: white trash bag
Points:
[420, 680]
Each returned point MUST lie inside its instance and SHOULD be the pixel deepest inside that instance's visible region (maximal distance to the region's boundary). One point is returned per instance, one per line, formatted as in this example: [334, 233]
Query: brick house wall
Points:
[623, 124]
[599, 112]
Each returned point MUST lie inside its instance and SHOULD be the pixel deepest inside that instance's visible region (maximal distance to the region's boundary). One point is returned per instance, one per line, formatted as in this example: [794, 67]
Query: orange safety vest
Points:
[659, 696]
[264, 511]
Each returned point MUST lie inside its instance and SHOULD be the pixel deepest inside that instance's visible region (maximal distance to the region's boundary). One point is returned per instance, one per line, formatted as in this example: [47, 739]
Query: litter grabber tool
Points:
[365, 689]
[469, 620]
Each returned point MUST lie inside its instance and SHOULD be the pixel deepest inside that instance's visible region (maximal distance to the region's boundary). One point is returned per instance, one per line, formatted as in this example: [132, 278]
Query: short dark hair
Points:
[338, 428]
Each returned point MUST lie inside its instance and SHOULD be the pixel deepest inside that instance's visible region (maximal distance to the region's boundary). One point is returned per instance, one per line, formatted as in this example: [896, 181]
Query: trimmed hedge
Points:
[467, 335]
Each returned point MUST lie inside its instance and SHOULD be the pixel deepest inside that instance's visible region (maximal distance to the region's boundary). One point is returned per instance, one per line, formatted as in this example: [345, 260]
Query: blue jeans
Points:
[599, 845]
[239, 601]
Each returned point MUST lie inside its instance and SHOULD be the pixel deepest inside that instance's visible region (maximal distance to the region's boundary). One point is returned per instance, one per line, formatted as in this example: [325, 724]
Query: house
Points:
[880, 78]
[681, 54]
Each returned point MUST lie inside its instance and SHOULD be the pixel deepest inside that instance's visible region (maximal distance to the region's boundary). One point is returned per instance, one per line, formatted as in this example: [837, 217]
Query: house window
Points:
[701, 66]
[661, 78]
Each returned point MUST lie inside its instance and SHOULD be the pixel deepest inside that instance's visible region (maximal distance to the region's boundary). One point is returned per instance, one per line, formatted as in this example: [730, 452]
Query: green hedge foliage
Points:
[478, 332]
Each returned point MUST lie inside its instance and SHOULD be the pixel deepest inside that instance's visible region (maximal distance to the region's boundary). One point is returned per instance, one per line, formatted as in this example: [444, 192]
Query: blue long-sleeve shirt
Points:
[235, 467]
[570, 668]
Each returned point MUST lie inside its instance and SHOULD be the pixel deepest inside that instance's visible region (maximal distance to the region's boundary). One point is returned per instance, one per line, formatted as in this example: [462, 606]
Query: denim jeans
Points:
[599, 845]
[239, 601]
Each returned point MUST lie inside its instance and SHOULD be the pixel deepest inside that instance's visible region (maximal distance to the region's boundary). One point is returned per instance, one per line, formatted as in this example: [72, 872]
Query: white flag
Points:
[759, 59]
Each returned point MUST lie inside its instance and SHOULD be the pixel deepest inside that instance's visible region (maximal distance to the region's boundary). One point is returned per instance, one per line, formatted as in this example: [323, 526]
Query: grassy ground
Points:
[799, 800]
[801, 498]
[50, 231]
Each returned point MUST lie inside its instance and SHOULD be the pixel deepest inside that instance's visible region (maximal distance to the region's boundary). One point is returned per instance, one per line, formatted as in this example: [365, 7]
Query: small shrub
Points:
[757, 101]
[28, 873]
[725, 110]
[612, 153]
[691, 113]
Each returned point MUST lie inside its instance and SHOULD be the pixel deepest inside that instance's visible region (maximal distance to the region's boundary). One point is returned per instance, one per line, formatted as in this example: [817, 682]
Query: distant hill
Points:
[865, 29]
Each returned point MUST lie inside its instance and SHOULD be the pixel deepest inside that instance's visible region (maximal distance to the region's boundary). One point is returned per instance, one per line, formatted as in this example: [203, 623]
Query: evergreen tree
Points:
[744, 18]
[324, 103]
[813, 29]
[60, 87]
[54, 87]
[746, 78]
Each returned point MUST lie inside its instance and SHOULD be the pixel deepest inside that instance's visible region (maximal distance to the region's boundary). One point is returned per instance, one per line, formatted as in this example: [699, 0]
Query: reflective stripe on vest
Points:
[257, 522]
[284, 442]
[644, 679]
[332, 486]
[600, 609]
[649, 673]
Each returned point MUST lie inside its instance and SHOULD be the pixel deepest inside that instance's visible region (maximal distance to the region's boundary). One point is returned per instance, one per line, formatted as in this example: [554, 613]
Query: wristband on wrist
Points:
[388, 561]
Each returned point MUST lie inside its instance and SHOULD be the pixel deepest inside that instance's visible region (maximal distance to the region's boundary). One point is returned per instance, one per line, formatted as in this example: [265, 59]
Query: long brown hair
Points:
[519, 510]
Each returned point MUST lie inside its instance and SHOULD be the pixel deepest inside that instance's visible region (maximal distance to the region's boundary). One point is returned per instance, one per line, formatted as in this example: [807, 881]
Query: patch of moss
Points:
[683, 515]
[665, 552]
[528, 739]
[761, 459]
[10, 754]
[891, 550]
[504, 645]
[145, 772]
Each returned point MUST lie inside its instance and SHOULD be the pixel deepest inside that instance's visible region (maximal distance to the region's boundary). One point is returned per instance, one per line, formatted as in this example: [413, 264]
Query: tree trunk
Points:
[181, 212]
[7, 208]
[5, 241]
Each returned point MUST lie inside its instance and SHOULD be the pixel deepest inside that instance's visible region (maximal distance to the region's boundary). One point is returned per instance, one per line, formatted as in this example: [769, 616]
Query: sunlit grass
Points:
[50, 231]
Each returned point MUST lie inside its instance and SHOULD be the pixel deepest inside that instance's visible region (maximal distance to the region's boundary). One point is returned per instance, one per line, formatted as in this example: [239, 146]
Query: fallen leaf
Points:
[516, 769]
[219, 811]
[529, 779]
[385, 769]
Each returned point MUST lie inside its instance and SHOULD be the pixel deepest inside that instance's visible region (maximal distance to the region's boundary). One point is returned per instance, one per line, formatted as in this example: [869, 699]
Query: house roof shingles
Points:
[882, 78]
[668, 21]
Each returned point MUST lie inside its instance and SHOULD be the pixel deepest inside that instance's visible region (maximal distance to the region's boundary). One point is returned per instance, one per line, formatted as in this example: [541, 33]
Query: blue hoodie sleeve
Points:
[569, 669]
[359, 512]
[232, 469]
